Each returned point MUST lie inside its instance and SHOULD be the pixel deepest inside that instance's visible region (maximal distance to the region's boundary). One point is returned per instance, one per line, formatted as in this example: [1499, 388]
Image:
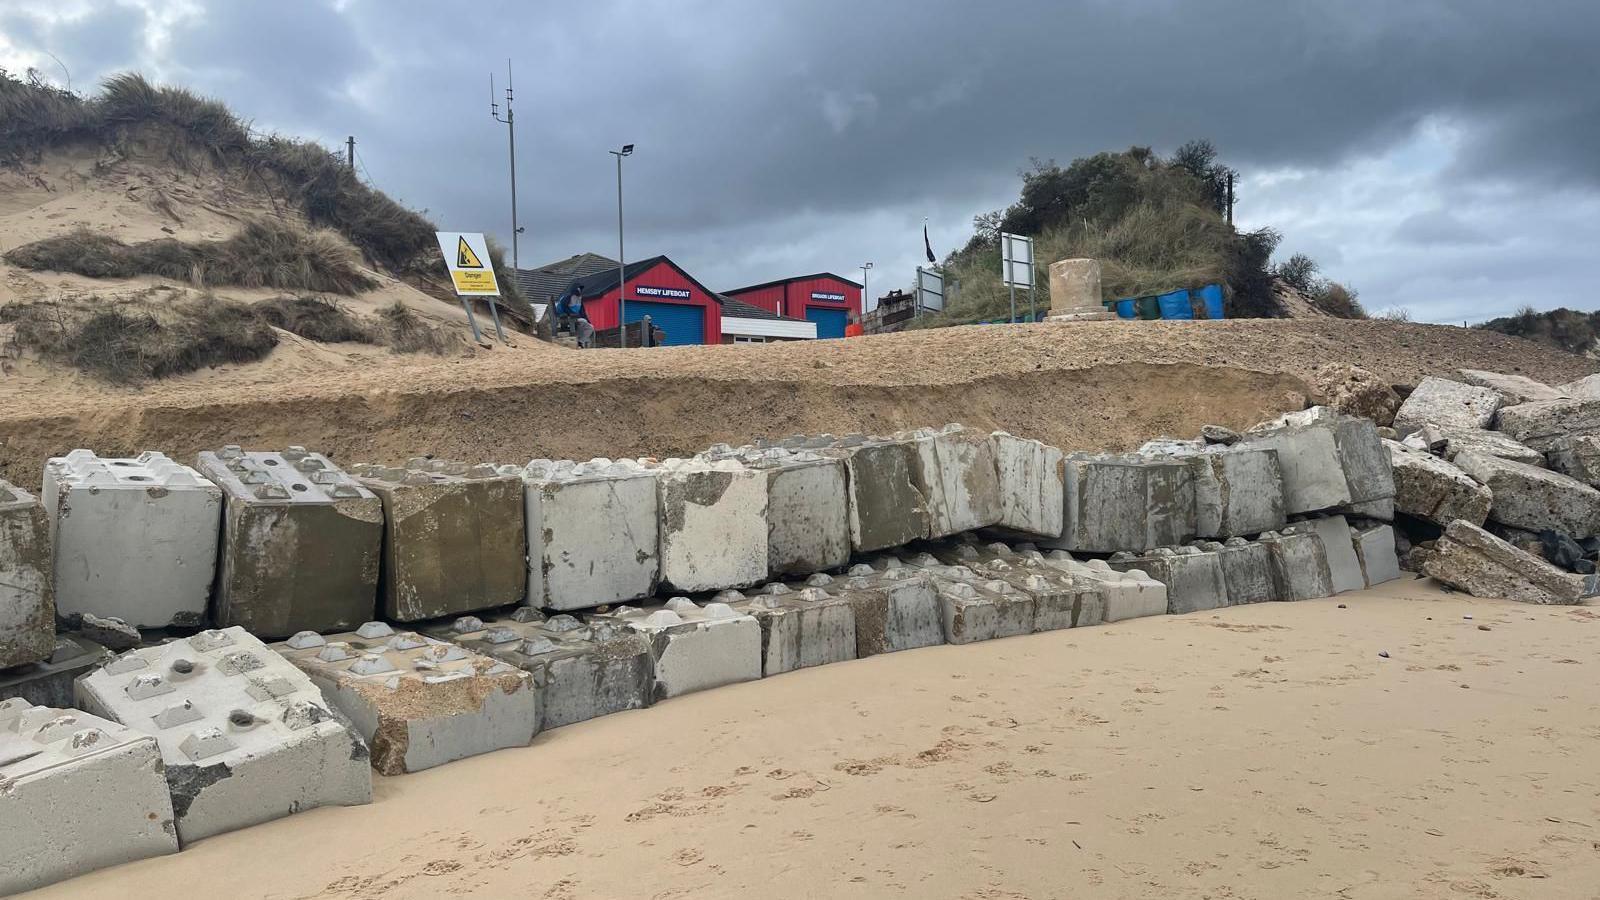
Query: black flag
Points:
[928, 245]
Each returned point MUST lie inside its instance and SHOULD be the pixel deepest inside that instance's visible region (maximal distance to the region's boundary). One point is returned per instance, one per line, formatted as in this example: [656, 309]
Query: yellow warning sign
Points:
[470, 282]
[466, 255]
[465, 258]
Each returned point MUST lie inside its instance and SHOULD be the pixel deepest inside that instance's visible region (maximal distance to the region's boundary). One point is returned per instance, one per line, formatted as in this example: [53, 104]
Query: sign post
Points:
[930, 291]
[466, 256]
[1016, 269]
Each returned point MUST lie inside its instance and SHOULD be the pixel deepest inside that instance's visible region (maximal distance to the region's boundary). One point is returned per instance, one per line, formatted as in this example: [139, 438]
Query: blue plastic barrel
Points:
[1125, 309]
[1175, 305]
[1211, 296]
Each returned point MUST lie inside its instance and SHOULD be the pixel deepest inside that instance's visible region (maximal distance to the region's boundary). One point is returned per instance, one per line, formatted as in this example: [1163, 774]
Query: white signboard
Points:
[930, 289]
[1016, 260]
[466, 255]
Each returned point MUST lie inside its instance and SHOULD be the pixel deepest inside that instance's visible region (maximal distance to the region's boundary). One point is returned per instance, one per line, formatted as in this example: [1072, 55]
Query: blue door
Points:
[684, 324]
[830, 322]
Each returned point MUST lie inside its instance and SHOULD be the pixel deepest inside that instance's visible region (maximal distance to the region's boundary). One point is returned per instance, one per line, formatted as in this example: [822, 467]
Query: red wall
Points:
[768, 298]
[602, 309]
[797, 296]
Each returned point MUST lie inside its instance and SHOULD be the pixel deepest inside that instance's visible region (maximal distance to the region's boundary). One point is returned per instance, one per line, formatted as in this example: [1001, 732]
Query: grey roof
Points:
[733, 306]
[542, 283]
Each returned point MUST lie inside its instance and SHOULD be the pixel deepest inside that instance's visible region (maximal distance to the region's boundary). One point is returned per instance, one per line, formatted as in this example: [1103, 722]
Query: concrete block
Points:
[957, 475]
[27, 603]
[134, 538]
[301, 542]
[1539, 425]
[453, 538]
[1060, 600]
[1246, 569]
[582, 671]
[1473, 560]
[974, 608]
[1429, 488]
[1584, 388]
[800, 627]
[895, 608]
[808, 511]
[694, 647]
[1534, 498]
[419, 702]
[1238, 491]
[245, 736]
[1299, 563]
[1313, 476]
[1193, 577]
[713, 524]
[1450, 442]
[1376, 549]
[1344, 567]
[1032, 484]
[1440, 401]
[1123, 595]
[886, 508]
[48, 682]
[1075, 287]
[1125, 503]
[594, 533]
[1577, 457]
[1512, 389]
[77, 793]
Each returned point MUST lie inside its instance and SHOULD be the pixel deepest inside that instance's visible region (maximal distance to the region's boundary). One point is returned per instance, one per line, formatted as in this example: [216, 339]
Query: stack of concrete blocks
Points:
[27, 604]
[77, 793]
[974, 607]
[134, 538]
[1194, 577]
[1060, 600]
[1299, 563]
[1428, 488]
[1330, 461]
[1032, 485]
[1375, 548]
[417, 701]
[886, 508]
[955, 472]
[1238, 489]
[48, 682]
[453, 537]
[1132, 503]
[1338, 545]
[301, 542]
[693, 647]
[1533, 498]
[582, 671]
[1132, 594]
[808, 508]
[245, 736]
[713, 524]
[1246, 570]
[1449, 404]
[896, 607]
[1475, 561]
[800, 626]
[594, 533]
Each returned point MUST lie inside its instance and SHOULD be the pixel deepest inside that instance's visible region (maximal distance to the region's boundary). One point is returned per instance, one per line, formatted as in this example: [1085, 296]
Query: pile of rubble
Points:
[1496, 482]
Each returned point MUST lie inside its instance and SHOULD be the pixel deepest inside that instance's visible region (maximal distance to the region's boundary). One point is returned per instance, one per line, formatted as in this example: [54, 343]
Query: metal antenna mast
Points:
[510, 121]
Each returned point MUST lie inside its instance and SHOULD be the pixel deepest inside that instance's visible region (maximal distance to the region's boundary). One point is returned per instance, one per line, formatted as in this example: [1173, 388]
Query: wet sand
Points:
[1264, 751]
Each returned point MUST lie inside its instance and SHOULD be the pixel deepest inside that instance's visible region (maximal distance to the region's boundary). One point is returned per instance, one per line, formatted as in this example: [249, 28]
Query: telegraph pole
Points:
[510, 121]
[350, 152]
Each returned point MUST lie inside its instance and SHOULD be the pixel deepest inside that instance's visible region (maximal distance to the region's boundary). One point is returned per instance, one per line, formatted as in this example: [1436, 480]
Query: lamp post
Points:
[510, 121]
[865, 295]
[622, 272]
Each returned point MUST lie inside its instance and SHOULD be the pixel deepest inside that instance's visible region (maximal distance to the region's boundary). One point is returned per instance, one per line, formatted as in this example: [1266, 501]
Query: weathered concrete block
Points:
[1534, 498]
[1059, 599]
[808, 511]
[1440, 401]
[1308, 455]
[1577, 457]
[1075, 286]
[1246, 569]
[134, 538]
[896, 608]
[594, 533]
[1541, 424]
[27, 604]
[975, 608]
[453, 537]
[1032, 484]
[301, 542]
[48, 682]
[582, 671]
[886, 508]
[418, 702]
[1586, 388]
[245, 736]
[713, 524]
[1193, 577]
[1299, 563]
[1430, 488]
[1513, 389]
[79, 794]
[1339, 546]
[1450, 442]
[1238, 491]
[1473, 560]
[801, 627]
[1376, 549]
[956, 474]
[1125, 503]
[1124, 595]
[694, 647]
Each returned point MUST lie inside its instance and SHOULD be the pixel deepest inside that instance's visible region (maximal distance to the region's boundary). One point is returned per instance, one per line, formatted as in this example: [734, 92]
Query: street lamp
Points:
[622, 273]
[865, 295]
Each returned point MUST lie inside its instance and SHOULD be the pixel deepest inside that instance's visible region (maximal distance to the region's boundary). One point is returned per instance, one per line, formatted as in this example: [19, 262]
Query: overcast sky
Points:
[1438, 155]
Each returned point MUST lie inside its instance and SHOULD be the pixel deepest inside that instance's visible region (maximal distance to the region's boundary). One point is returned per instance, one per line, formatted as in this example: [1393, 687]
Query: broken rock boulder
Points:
[1513, 388]
[1577, 457]
[1427, 487]
[1440, 401]
[1355, 391]
[1541, 424]
[1473, 560]
[1533, 498]
[1448, 442]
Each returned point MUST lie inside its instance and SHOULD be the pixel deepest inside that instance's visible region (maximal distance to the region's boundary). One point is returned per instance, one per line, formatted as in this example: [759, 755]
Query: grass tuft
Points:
[405, 332]
[128, 347]
[316, 319]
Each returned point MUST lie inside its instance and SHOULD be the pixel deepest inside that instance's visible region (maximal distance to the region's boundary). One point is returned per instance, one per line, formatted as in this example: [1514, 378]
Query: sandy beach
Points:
[1263, 751]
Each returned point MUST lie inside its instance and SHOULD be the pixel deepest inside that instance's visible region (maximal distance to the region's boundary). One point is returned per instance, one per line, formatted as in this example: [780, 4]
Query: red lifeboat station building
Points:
[675, 302]
[826, 299]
